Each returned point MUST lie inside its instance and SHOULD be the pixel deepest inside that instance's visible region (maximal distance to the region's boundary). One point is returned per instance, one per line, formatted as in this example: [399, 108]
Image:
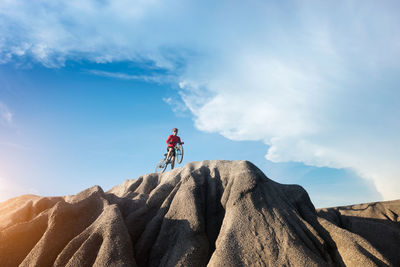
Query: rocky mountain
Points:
[210, 213]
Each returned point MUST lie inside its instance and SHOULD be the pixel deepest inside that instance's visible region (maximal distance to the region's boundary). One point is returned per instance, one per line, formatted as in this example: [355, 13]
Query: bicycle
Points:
[162, 164]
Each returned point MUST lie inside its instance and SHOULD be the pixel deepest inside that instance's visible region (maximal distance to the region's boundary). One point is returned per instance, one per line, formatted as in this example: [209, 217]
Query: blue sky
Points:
[308, 91]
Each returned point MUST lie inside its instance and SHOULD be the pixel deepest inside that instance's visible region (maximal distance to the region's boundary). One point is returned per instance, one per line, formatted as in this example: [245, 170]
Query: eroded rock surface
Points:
[378, 223]
[210, 213]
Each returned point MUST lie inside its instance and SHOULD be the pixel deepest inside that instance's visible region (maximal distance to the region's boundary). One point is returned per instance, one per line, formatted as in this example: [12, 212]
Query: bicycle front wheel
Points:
[161, 166]
[179, 153]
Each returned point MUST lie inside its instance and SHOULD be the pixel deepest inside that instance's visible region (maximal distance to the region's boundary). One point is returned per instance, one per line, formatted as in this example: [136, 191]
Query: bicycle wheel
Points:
[161, 166]
[179, 153]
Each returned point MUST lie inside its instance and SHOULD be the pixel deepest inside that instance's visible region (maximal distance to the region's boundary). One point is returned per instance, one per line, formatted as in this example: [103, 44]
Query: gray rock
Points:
[378, 223]
[210, 213]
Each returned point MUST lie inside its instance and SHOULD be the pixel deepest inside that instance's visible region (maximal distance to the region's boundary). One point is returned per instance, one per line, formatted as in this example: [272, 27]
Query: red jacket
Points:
[173, 139]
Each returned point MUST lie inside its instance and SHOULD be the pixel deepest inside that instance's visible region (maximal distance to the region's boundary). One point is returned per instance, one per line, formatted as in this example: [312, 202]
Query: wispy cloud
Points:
[6, 117]
[156, 78]
[177, 106]
[317, 82]
[100, 31]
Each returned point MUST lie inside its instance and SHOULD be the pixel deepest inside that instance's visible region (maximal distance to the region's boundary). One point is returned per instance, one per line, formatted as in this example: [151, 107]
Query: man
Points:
[172, 140]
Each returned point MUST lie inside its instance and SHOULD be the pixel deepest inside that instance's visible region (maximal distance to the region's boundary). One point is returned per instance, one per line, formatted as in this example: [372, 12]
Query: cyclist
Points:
[172, 140]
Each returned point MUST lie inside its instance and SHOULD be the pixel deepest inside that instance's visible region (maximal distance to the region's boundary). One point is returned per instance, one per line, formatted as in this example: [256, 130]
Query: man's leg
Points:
[172, 162]
[169, 153]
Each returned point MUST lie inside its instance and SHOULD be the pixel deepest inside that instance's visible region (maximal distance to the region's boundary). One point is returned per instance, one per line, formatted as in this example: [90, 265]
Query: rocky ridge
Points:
[210, 213]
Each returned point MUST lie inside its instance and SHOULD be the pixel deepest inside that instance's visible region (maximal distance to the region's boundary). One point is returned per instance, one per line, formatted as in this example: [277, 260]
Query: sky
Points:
[306, 90]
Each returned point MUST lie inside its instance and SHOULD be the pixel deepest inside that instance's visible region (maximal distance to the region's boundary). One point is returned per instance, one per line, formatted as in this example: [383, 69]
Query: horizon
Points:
[309, 93]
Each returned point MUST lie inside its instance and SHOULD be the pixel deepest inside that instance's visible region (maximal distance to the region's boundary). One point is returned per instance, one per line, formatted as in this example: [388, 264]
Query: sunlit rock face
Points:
[209, 213]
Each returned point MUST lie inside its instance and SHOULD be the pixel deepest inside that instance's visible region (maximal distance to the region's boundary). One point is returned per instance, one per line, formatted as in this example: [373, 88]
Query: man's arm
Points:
[169, 139]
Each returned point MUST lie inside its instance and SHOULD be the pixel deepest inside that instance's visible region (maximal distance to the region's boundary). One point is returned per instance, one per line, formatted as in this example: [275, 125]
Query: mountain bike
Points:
[163, 163]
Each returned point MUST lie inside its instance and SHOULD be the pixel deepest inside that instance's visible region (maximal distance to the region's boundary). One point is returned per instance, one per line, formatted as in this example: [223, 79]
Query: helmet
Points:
[175, 129]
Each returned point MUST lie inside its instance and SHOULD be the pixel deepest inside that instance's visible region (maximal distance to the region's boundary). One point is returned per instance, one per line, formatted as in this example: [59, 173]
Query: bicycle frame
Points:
[163, 163]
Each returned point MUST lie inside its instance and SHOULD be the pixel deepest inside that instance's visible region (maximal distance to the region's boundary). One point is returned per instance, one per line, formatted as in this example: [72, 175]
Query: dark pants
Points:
[172, 152]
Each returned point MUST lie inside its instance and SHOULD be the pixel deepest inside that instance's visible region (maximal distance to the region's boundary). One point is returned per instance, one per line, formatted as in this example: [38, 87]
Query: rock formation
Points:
[378, 223]
[210, 213]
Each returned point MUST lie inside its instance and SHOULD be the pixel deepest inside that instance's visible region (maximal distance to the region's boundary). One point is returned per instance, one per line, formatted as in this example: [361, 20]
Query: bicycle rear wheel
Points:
[179, 153]
[161, 166]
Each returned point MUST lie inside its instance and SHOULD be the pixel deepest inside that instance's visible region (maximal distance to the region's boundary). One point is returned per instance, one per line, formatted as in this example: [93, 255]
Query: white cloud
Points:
[101, 31]
[6, 117]
[315, 81]
[155, 78]
[179, 108]
[317, 92]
